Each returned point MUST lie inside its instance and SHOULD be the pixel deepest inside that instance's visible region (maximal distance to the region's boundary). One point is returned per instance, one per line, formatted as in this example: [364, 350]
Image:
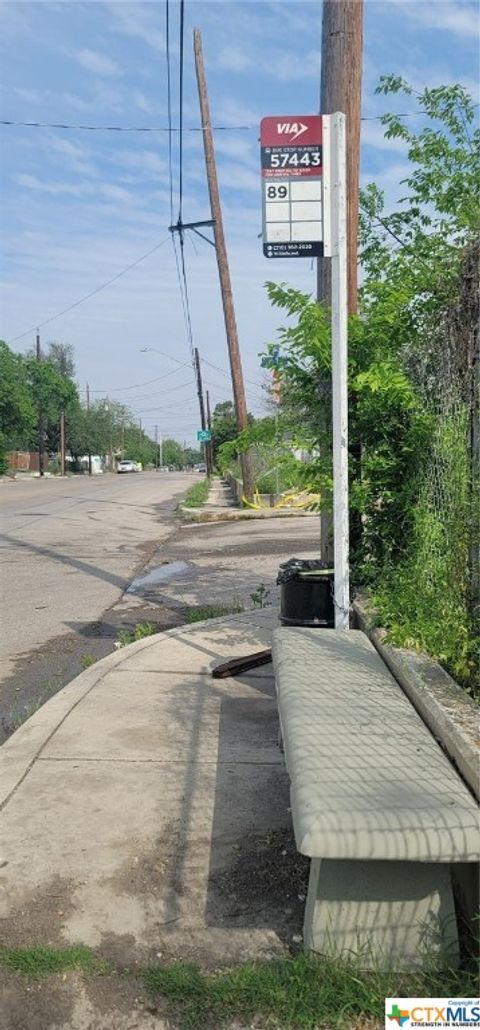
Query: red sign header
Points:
[291, 130]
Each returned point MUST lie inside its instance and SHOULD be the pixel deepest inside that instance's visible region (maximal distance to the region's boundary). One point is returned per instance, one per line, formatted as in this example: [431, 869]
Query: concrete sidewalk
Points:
[145, 808]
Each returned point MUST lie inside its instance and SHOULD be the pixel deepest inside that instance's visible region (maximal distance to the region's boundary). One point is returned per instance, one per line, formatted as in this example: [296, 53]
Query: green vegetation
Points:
[414, 485]
[34, 392]
[197, 494]
[87, 660]
[141, 630]
[211, 611]
[39, 961]
[270, 444]
[260, 597]
[299, 993]
[302, 992]
[47, 691]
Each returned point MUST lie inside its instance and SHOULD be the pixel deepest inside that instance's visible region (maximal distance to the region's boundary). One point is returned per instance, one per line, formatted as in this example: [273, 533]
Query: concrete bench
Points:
[375, 803]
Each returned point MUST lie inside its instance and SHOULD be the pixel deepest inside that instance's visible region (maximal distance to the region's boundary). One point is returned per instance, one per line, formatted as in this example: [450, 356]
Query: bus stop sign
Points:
[291, 154]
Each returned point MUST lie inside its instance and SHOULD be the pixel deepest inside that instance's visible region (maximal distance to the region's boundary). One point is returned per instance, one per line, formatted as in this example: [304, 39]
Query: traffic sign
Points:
[291, 156]
[203, 435]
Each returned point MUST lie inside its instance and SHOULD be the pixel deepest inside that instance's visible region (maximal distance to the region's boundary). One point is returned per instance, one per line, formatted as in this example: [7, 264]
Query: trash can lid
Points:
[299, 568]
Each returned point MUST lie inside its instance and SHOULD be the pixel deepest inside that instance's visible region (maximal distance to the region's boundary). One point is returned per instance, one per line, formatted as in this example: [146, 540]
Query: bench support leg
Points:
[399, 911]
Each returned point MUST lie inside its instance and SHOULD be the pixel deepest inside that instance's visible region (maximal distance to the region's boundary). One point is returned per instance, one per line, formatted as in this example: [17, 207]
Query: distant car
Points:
[200, 468]
[127, 466]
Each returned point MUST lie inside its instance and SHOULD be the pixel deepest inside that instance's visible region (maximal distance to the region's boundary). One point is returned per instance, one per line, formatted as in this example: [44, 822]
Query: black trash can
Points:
[306, 594]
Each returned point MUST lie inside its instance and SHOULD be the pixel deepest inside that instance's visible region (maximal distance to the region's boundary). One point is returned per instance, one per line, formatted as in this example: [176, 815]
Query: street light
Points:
[145, 350]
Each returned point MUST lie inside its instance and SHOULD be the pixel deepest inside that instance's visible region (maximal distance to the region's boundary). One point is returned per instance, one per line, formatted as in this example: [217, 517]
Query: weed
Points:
[29, 709]
[305, 992]
[260, 597]
[141, 630]
[197, 494]
[211, 611]
[87, 660]
[39, 961]
[302, 992]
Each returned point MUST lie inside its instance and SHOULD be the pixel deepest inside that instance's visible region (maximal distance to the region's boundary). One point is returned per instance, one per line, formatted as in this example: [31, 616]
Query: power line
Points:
[92, 293]
[251, 382]
[122, 389]
[169, 104]
[180, 148]
[174, 128]
[127, 128]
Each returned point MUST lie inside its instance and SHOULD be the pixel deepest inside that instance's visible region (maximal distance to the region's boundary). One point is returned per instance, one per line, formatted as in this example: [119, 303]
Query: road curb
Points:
[448, 711]
[237, 514]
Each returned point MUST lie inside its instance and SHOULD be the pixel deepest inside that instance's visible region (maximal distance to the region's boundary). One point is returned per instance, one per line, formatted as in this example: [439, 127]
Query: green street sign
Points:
[203, 435]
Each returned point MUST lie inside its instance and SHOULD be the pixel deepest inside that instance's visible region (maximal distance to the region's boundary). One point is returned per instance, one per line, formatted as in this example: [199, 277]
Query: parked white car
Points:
[127, 466]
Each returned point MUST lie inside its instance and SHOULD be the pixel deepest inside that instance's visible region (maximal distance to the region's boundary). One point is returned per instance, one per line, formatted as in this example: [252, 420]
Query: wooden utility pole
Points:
[40, 415]
[341, 90]
[209, 417]
[62, 443]
[88, 430]
[223, 269]
[209, 427]
[198, 374]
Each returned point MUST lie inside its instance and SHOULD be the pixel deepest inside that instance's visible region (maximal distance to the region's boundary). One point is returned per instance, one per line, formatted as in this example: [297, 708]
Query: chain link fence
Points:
[440, 575]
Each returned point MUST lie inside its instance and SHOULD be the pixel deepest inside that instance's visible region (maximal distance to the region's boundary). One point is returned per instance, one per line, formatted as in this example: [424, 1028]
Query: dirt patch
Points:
[74, 1002]
[146, 873]
[266, 881]
[120, 1002]
[25, 1004]
[41, 916]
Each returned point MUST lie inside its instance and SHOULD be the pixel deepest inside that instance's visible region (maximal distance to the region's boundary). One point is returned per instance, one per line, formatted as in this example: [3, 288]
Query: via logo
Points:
[287, 128]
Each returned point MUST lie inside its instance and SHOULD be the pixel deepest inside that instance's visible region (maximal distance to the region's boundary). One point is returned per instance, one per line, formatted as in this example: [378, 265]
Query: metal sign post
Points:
[335, 209]
[304, 215]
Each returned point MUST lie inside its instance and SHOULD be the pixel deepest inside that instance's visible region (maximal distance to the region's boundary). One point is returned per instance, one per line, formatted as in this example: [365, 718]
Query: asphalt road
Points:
[68, 550]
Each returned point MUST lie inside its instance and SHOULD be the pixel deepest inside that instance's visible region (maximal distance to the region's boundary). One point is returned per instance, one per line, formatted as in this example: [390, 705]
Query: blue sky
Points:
[79, 206]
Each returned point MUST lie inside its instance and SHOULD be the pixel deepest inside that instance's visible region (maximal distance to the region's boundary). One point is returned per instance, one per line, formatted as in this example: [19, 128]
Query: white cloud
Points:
[32, 96]
[72, 100]
[97, 63]
[31, 182]
[390, 181]
[113, 192]
[277, 63]
[141, 160]
[239, 148]
[135, 21]
[109, 98]
[142, 102]
[233, 59]
[75, 156]
[373, 136]
[289, 66]
[232, 112]
[231, 176]
[460, 18]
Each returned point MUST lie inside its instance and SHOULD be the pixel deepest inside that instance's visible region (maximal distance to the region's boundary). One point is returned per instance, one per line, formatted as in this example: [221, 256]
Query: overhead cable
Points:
[174, 128]
[136, 386]
[180, 147]
[169, 104]
[98, 289]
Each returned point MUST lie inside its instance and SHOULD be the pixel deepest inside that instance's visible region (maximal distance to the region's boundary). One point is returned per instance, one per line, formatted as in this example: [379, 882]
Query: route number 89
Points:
[277, 192]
